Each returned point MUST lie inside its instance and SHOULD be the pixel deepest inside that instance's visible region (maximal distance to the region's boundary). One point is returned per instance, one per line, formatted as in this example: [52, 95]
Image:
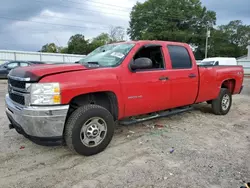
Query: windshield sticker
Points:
[117, 54]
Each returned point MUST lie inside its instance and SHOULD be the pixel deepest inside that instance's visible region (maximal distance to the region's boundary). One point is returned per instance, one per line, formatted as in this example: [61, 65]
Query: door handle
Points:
[192, 75]
[163, 78]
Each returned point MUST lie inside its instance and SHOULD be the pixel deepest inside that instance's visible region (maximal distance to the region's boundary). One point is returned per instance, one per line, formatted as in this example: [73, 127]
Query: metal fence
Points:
[246, 65]
[8, 55]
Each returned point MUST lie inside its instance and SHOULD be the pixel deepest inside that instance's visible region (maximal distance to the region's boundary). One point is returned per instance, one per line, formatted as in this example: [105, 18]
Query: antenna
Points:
[60, 45]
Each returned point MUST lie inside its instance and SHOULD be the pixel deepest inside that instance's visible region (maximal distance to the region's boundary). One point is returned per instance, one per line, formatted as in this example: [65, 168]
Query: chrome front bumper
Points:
[39, 122]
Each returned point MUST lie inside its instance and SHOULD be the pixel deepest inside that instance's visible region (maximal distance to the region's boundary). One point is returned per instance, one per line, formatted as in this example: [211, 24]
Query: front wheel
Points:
[222, 104]
[89, 130]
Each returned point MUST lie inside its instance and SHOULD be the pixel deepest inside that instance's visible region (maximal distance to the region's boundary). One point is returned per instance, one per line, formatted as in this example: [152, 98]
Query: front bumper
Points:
[40, 124]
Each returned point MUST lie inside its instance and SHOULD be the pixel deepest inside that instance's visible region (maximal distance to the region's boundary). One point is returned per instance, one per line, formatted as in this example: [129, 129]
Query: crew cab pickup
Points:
[78, 104]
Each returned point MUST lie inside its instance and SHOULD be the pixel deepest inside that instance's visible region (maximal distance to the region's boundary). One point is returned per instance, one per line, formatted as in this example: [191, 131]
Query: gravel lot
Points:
[209, 151]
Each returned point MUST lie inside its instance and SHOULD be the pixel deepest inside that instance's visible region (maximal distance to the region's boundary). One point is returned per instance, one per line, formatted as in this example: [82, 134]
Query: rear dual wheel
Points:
[89, 130]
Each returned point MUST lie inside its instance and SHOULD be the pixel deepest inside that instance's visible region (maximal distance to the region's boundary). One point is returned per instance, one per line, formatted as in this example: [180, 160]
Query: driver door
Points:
[146, 90]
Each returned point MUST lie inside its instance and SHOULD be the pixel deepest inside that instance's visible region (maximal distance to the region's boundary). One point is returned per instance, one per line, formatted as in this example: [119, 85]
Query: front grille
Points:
[17, 98]
[18, 92]
[17, 83]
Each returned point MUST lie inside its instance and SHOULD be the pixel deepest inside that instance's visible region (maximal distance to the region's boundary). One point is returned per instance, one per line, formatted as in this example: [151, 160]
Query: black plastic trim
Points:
[241, 89]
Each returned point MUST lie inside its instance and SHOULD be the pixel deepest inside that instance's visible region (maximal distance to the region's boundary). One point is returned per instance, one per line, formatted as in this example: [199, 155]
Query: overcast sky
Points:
[56, 20]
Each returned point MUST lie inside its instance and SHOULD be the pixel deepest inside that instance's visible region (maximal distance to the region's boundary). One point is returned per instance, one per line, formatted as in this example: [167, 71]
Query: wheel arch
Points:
[106, 99]
[229, 84]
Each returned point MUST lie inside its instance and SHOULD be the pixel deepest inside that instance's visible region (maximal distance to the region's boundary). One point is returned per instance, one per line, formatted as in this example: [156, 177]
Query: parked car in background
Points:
[37, 62]
[217, 61]
[9, 65]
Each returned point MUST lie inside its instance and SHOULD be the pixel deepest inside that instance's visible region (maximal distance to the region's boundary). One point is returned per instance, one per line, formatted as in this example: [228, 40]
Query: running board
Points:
[156, 115]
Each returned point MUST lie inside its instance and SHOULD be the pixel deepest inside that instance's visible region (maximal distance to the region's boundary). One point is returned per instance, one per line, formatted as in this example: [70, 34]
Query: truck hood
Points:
[36, 72]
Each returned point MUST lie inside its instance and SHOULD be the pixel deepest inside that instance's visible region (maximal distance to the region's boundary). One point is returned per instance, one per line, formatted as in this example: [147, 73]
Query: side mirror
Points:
[141, 63]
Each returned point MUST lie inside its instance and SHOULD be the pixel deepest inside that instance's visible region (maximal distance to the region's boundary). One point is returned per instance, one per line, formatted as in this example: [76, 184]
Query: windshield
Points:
[101, 49]
[109, 55]
[207, 63]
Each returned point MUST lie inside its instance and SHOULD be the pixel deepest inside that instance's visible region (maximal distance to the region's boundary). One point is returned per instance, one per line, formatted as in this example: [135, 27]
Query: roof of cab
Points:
[217, 58]
[154, 42]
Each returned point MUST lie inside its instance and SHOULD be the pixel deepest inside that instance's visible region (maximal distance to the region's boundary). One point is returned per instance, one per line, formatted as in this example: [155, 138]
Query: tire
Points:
[81, 119]
[218, 105]
[209, 102]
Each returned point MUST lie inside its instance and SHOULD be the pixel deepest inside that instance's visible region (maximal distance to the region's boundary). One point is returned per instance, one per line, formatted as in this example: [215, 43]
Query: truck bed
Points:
[213, 77]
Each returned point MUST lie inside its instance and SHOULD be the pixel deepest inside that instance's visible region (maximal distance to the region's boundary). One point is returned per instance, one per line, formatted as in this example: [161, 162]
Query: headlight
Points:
[45, 94]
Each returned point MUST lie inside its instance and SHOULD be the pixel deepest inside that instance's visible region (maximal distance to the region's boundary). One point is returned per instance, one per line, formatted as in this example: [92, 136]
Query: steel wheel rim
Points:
[225, 102]
[93, 132]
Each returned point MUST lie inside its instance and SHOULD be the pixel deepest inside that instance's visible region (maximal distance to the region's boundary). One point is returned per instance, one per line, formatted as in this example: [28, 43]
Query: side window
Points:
[12, 65]
[22, 64]
[179, 57]
[154, 53]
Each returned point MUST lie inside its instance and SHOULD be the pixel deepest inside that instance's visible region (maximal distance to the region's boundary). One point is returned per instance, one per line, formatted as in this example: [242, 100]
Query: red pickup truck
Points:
[78, 104]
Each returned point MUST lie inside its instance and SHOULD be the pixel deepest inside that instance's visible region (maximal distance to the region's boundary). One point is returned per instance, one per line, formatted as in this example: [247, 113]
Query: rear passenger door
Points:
[183, 76]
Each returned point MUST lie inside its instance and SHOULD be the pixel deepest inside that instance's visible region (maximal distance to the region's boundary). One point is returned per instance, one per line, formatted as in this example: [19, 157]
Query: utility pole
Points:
[248, 50]
[207, 36]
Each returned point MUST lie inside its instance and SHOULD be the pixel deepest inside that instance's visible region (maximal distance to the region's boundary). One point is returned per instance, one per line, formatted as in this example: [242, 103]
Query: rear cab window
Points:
[180, 57]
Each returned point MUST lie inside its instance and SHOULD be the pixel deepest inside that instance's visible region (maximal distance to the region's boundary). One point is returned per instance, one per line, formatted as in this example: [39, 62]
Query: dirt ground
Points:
[209, 151]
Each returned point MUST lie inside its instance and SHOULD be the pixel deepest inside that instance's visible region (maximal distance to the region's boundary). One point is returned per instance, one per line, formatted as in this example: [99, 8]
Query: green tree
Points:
[229, 40]
[78, 45]
[173, 20]
[237, 35]
[50, 48]
[63, 50]
[100, 40]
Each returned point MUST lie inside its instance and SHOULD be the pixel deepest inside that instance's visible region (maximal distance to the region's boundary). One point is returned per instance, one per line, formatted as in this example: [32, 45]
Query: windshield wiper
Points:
[93, 64]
